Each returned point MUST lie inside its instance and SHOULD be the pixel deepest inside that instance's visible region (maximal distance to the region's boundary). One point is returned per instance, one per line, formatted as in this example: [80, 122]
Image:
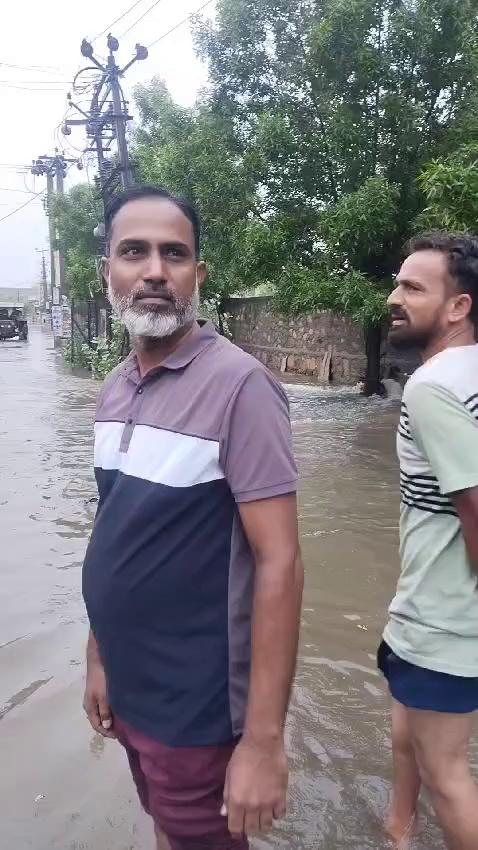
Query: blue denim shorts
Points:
[416, 687]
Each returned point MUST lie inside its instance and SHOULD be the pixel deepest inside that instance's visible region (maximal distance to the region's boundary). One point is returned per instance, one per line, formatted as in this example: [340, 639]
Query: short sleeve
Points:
[256, 442]
[447, 433]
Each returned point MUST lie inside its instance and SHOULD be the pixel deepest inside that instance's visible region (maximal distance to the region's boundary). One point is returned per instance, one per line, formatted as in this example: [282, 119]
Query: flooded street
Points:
[61, 788]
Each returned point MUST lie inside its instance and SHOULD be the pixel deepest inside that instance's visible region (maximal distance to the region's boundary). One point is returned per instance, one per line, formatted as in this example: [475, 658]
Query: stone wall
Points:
[324, 347]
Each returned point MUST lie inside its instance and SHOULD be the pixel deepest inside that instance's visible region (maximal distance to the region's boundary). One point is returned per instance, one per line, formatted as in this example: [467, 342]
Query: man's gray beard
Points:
[153, 324]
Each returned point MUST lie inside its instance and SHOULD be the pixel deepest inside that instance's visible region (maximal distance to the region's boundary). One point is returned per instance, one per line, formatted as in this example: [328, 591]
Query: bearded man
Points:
[192, 579]
[429, 653]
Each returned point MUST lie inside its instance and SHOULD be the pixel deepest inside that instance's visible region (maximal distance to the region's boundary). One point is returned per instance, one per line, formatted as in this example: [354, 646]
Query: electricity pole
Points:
[44, 283]
[105, 123]
[120, 125]
[107, 118]
[54, 167]
[51, 232]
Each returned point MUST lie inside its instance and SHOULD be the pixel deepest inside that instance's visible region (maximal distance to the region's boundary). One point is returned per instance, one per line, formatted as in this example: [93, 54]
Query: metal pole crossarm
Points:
[78, 108]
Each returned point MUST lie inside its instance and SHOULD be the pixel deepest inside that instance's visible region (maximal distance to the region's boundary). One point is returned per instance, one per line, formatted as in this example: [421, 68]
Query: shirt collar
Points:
[202, 334]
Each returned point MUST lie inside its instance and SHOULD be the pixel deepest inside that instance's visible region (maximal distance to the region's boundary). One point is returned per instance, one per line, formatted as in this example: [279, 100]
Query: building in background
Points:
[23, 296]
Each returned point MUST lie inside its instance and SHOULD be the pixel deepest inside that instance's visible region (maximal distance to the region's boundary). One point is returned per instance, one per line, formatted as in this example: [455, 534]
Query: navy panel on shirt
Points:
[155, 583]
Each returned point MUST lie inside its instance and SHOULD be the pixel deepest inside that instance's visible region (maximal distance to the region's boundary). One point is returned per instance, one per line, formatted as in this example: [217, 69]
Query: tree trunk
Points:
[373, 350]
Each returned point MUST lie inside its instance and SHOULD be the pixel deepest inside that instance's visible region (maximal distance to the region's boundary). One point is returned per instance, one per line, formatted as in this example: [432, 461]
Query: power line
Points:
[31, 89]
[34, 82]
[180, 24]
[23, 191]
[39, 69]
[13, 212]
[153, 6]
[113, 23]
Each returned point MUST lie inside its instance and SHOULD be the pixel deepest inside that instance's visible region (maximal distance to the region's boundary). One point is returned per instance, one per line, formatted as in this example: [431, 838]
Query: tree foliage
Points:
[450, 185]
[76, 214]
[336, 106]
[187, 151]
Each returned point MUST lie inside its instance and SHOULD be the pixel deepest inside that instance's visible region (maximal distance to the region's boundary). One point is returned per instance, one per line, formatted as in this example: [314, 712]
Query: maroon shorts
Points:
[182, 789]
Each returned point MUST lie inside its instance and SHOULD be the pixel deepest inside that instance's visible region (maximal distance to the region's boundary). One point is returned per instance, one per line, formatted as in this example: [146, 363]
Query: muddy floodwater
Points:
[62, 788]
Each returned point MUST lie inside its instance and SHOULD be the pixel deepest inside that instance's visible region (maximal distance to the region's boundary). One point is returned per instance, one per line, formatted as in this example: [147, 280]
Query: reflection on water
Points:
[46, 479]
[338, 729]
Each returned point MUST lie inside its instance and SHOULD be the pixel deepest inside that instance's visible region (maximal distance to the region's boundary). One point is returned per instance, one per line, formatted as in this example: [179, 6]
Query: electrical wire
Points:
[83, 71]
[180, 24]
[23, 191]
[30, 89]
[113, 23]
[30, 200]
[150, 9]
[32, 191]
[39, 69]
[34, 82]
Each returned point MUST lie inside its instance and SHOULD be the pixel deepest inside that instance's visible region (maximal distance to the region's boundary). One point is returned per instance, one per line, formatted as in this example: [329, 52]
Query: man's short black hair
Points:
[137, 193]
[461, 252]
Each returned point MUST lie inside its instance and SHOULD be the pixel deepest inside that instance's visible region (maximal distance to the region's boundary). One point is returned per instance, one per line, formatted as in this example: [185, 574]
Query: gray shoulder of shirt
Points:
[109, 383]
[455, 371]
[232, 367]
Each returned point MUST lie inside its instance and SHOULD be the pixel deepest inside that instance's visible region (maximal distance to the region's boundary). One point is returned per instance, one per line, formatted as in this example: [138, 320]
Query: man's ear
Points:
[461, 308]
[105, 269]
[201, 273]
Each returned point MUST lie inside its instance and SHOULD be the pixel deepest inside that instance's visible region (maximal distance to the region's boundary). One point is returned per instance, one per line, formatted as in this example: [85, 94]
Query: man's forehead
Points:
[152, 219]
[425, 266]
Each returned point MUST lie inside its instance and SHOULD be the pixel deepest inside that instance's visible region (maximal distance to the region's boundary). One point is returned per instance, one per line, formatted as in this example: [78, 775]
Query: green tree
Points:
[188, 151]
[335, 107]
[450, 185]
[76, 214]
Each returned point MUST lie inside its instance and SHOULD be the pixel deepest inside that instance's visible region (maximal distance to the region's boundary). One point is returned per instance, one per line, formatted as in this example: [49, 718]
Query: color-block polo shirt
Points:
[168, 575]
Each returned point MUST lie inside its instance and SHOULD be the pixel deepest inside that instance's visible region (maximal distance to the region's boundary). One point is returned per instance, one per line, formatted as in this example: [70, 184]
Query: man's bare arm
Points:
[271, 529]
[466, 504]
[257, 778]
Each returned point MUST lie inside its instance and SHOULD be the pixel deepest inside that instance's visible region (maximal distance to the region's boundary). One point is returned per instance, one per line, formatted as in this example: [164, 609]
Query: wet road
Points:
[62, 788]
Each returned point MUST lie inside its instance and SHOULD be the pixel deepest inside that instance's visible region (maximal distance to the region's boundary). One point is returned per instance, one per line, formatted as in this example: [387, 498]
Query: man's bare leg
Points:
[402, 813]
[161, 841]
[441, 747]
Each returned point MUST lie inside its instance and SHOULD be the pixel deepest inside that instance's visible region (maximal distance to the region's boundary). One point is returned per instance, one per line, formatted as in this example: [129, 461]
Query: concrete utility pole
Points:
[105, 123]
[54, 167]
[44, 283]
[107, 118]
[51, 233]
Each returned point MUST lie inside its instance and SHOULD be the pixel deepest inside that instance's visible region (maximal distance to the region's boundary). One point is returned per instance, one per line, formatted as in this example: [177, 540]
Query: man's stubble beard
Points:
[408, 338]
[155, 324]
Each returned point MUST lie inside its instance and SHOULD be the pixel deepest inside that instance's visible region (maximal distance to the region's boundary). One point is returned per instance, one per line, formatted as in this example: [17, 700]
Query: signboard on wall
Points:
[61, 321]
[66, 322]
[56, 320]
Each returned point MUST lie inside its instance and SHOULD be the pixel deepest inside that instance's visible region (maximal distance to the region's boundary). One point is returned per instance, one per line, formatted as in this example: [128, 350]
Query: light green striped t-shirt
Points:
[434, 615]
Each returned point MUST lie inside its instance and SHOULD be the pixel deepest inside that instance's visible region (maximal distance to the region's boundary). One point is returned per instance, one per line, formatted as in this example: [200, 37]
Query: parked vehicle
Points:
[13, 322]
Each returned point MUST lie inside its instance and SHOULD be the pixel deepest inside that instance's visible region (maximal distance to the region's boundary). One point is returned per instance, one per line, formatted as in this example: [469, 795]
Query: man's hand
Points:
[95, 701]
[256, 787]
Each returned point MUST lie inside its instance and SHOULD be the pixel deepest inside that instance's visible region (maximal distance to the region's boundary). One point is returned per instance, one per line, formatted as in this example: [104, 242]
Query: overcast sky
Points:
[44, 39]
